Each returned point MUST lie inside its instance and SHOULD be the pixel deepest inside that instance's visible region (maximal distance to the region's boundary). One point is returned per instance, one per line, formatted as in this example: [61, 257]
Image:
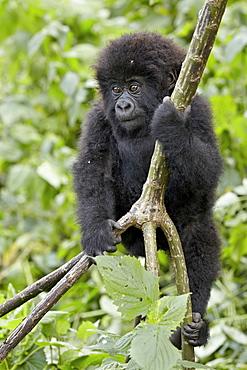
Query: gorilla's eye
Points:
[116, 90]
[134, 88]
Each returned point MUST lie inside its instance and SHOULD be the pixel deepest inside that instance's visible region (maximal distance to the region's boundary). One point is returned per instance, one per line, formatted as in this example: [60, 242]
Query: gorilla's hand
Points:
[196, 332]
[103, 239]
[171, 127]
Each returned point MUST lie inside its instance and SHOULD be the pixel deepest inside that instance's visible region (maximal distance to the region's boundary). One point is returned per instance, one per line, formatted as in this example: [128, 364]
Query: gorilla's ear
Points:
[171, 80]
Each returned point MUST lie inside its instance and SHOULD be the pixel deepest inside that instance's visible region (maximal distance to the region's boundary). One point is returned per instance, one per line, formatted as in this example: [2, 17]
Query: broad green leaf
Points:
[35, 42]
[69, 83]
[74, 112]
[36, 361]
[106, 344]
[189, 364]
[111, 363]
[18, 175]
[132, 365]
[123, 343]
[235, 334]
[81, 51]
[51, 316]
[84, 362]
[236, 44]
[12, 111]
[169, 311]
[62, 324]
[83, 330]
[226, 200]
[24, 133]
[10, 151]
[132, 288]
[152, 349]
[54, 29]
[51, 174]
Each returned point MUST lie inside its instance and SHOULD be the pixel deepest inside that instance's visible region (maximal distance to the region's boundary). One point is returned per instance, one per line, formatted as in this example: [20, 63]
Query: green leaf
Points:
[124, 342]
[236, 44]
[35, 42]
[37, 361]
[132, 288]
[236, 335]
[83, 331]
[54, 29]
[10, 150]
[152, 349]
[69, 83]
[18, 175]
[169, 311]
[193, 365]
[81, 51]
[111, 363]
[51, 174]
[24, 133]
[226, 200]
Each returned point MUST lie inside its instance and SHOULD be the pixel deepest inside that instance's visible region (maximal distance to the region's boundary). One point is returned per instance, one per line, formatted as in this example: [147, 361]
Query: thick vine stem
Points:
[200, 47]
[149, 234]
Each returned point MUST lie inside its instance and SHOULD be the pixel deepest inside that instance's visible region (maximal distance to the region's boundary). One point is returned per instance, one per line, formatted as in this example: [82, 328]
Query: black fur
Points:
[116, 147]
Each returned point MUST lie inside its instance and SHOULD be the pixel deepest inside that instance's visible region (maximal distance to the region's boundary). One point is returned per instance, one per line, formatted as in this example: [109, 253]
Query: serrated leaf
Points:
[106, 344]
[110, 363]
[124, 342]
[152, 349]
[127, 282]
[37, 361]
[132, 365]
[193, 365]
[176, 308]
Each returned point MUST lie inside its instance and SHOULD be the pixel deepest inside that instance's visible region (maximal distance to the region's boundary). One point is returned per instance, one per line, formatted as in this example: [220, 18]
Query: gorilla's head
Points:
[134, 74]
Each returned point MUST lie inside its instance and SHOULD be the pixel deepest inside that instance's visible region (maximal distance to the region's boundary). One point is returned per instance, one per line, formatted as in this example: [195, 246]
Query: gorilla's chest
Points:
[134, 161]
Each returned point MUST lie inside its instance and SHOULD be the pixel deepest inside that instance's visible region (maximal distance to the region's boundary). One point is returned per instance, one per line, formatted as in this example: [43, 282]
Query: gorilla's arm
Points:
[93, 185]
[189, 142]
[194, 163]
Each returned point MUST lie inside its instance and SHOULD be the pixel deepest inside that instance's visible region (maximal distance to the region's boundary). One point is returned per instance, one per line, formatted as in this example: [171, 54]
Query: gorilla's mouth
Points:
[132, 123]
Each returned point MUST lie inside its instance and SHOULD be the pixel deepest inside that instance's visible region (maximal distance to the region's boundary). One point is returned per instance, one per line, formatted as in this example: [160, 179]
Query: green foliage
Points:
[131, 287]
[46, 50]
[148, 345]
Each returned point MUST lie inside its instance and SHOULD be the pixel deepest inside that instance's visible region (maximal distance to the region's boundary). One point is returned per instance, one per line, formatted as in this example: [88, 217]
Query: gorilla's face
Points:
[132, 103]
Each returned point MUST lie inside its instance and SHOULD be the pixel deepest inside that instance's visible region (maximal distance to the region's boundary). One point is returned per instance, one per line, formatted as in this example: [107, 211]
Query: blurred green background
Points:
[46, 87]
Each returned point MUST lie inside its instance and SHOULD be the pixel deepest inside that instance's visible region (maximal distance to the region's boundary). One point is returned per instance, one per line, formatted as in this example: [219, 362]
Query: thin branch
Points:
[44, 306]
[45, 283]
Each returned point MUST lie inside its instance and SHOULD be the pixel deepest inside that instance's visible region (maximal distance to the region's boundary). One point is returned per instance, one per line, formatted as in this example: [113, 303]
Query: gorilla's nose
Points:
[124, 109]
[124, 105]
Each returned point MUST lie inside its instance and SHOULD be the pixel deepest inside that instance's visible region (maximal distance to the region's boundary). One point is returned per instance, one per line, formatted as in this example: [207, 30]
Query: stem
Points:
[149, 233]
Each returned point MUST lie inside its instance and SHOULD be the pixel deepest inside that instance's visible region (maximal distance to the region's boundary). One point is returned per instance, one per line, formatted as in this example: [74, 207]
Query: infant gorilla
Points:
[135, 73]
